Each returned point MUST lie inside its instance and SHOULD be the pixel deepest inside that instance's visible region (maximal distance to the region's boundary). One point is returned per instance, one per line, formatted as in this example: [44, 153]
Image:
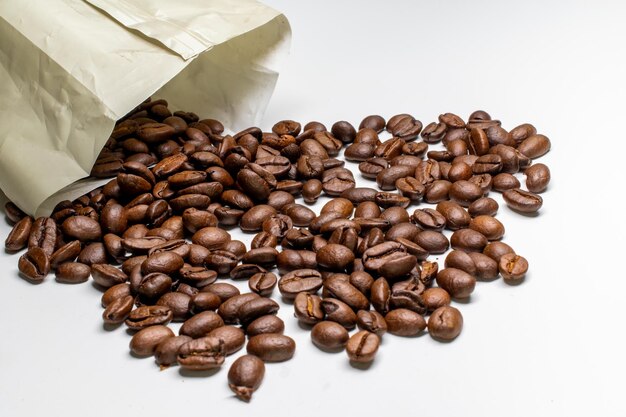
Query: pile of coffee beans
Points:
[155, 238]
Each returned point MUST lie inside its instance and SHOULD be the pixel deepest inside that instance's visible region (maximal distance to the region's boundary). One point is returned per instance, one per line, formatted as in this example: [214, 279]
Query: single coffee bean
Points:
[460, 260]
[212, 238]
[299, 280]
[456, 216]
[522, 201]
[167, 351]
[339, 312]
[488, 226]
[534, 146]
[458, 283]
[308, 308]
[43, 234]
[372, 321]
[465, 192]
[362, 346]
[204, 301]
[537, 178]
[433, 241]
[255, 308]
[445, 323]
[468, 240]
[34, 264]
[346, 292]
[245, 376]
[403, 322]
[18, 237]
[201, 324]
[262, 283]
[483, 206]
[232, 338]
[229, 309]
[82, 228]
[504, 181]
[486, 268]
[201, 354]
[146, 316]
[107, 275]
[266, 324]
[513, 267]
[178, 303]
[13, 212]
[311, 190]
[72, 272]
[118, 310]
[113, 293]
[335, 257]
[271, 347]
[222, 289]
[495, 250]
[328, 335]
[145, 341]
[434, 298]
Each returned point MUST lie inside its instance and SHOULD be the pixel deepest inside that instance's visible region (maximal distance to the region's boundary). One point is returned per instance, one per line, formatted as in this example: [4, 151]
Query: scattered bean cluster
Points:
[155, 238]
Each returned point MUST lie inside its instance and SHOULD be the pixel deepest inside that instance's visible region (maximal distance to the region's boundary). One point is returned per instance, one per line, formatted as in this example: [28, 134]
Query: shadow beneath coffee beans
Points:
[521, 213]
[514, 282]
[29, 280]
[466, 300]
[361, 366]
[198, 374]
[134, 355]
[332, 351]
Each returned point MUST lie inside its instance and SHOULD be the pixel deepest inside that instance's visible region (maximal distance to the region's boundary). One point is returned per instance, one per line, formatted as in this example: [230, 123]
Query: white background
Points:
[553, 345]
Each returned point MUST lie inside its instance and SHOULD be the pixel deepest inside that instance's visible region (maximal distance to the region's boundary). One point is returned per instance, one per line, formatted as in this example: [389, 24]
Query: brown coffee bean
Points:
[246, 374]
[201, 324]
[513, 267]
[72, 272]
[339, 312]
[362, 346]
[537, 178]
[290, 260]
[328, 335]
[534, 146]
[371, 321]
[43, 234]
[201, 354]
[167, 351]
[344, 291]
[265, 324]
[335, 257]
[458, 283]
[18, 237]
[456, 216]
[107, 275]
[403, 322]
[433, 298]
[311, 190]
[145, 341]
[255, 308]
[212, 238]
[522, 201]
[299, 280]
[380, 295]
[262, 283]
[115, 292]
[495, 250]
[271, 347]
[468, 240]
[486, 268]
[222, 289]
[445, 323]
[308, 308]
[465, 192]
[146, 316]
[118, 310]
[229, 309]
[34, 264]
[433, 241]
[460, 260]
[178, 303]
[483, 206]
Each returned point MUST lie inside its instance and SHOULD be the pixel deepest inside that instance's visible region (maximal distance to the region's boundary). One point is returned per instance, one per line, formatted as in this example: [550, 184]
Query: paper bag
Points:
[70, 68]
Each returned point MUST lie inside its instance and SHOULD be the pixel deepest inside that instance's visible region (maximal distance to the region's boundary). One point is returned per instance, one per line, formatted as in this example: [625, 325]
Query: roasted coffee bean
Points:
[433, 298]
[432, 241]
[178, 304]
[346, 292]
[437, 191]
[372, 321]
[456, 216]
[145, 341]
[163, 262]
[229, 309]
[458, 283]
[265, 324]
[465, 192]
[13, 212]
[72, 272]
[222, 290]
[410, 188]
[212, 238]
[202, 354]
[445, 323]
[429, 219]
[339, 312]
[253, 219]
[504, 181]
[468, 240]
[537, 178]
[204, 301]
[308, 308]
[43, 234]
[380, 295]
[18, 237]
[290, 260]
[271, 347]
[495, 250]
[201, 324]
[488, 226]
[245, 375]
[255, 308]
[264, 239]
[311, 190]
[362, 281]
[107, 275]
[534, 146]
[115, 292]
[522, 201]
[146, 316]
[300, 215]
[337, 180]
[484, 206]
[374, 122]
[335, 257]
[460, 260]
[362, 346]
[300, 280]
[486, 268]
[403, 322]
[477, 142]
[166, 352]
[434, 132]
[513, 267]
[328, 335]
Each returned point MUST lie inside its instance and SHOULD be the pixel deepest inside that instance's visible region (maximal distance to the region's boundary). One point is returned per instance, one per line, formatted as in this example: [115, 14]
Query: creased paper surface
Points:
[70, 68]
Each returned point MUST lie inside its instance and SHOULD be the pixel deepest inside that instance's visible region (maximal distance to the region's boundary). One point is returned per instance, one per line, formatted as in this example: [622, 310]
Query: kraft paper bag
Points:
[70, 68]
